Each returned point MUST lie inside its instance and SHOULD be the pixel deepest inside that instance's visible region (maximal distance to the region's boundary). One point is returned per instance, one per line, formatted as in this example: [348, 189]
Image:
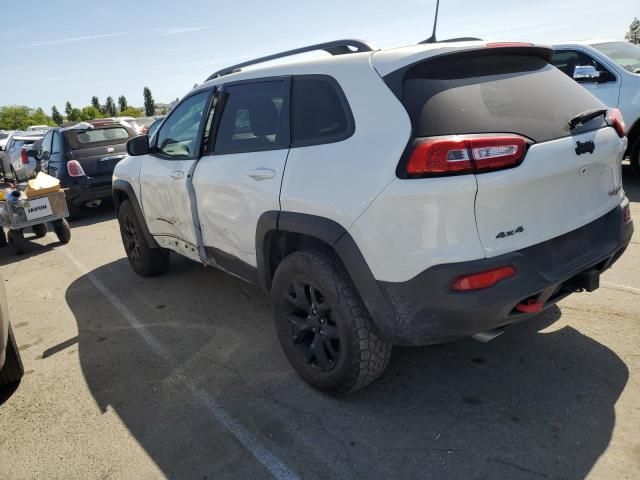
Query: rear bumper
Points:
[426, 311]
[88, 189]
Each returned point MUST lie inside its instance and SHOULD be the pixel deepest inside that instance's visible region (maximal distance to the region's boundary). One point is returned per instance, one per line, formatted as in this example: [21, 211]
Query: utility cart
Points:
[35, 211]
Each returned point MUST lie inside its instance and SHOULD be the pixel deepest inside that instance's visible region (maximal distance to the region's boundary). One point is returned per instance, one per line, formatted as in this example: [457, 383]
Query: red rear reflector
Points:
[530, 306]
[615, 119]
[75, 169]
[465, 154]
[481, 280]
[24, 158]
[508, 44]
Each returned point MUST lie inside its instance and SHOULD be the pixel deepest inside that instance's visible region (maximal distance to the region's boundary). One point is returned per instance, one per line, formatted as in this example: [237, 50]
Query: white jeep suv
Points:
[403, 197]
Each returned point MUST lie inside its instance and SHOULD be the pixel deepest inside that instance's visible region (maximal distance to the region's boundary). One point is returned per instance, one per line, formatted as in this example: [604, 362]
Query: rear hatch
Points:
[566, 178]
[98, 150]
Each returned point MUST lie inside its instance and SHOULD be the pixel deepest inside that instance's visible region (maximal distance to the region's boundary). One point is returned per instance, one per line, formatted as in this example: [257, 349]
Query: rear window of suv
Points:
[320, 111]
[79, 139]
[493, 93]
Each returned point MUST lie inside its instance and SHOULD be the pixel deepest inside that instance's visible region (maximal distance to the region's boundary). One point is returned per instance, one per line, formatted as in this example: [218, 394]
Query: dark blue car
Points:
[83, 158]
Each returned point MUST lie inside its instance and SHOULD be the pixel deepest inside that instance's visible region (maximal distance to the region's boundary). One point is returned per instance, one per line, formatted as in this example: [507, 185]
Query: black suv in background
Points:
[83, 158]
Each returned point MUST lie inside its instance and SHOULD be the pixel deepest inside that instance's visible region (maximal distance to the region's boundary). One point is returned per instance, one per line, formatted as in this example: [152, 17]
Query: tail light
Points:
[477, 281]
[75, 169]
[24, 158]
[466, 154]
[615, 119]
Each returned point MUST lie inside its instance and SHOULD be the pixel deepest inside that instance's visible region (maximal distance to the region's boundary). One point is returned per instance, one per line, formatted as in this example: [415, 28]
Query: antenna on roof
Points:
[432, 38]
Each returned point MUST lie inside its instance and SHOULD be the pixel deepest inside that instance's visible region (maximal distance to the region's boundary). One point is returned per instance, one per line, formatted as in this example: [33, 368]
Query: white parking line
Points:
[275, 466]
[622, 288]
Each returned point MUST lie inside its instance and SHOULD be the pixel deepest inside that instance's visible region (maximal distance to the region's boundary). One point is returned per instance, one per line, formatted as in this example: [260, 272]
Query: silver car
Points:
[16, 161]
[11, 369]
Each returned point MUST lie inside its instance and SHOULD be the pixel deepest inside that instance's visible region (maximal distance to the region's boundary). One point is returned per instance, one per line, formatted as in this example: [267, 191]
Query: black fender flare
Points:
[337, 237]
[124, 186]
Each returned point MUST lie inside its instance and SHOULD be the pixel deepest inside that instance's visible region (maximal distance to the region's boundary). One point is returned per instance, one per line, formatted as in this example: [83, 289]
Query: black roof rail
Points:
[336, 47]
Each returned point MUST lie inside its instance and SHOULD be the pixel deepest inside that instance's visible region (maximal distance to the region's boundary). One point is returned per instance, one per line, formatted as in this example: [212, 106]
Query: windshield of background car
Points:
[624, 54]
[79, 139]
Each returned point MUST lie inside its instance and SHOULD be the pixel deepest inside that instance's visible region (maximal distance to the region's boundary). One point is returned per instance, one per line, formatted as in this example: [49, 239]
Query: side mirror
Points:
[138, 145]
[586, 73]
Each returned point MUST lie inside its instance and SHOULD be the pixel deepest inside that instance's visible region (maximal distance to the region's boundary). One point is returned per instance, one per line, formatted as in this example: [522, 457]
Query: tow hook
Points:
[530, 306]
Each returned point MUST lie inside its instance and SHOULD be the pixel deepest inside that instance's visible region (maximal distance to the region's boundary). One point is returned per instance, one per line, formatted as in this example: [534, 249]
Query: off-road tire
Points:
[634, 156]
[363, 354]
[12, 370]
[40, 230]
[62, 230]
[17, 241]
[146, 261]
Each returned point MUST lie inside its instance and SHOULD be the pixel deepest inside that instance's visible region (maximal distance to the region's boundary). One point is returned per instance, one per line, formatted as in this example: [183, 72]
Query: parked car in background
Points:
[373, 212]
[5, 136]
[11, 369]
[130, 122]
[38, 128]
[16, 161]
[83, 158]
[610, 70]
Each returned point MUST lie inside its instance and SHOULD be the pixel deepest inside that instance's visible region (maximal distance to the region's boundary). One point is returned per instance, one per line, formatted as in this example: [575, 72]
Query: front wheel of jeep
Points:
[144, 259]
[323, 326]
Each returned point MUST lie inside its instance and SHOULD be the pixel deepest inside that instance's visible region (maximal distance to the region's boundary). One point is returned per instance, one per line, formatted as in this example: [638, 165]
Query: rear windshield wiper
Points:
[584, 117]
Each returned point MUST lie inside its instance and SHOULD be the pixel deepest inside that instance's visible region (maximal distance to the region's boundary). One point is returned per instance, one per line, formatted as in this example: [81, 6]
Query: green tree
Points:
[38, 117]
[67, 108]
[75, 115]
[95, 103]
[149, 103]
[633, 35]
[55, 116]
[90, 113]
[14, 117]
[131, 112]
[110, 107]
[122, 103]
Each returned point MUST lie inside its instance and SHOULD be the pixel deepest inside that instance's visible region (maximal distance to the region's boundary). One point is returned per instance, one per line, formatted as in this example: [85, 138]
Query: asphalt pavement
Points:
[181, 377]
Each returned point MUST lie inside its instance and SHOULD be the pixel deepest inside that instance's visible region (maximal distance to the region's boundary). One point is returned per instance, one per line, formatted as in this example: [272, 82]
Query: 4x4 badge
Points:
[510, 233]
[586, 147]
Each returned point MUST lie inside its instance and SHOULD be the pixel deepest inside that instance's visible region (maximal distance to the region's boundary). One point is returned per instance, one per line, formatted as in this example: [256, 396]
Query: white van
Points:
[610, 69]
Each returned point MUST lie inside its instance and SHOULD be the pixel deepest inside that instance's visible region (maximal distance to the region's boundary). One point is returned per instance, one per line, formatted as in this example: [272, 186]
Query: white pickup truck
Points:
[610, 70]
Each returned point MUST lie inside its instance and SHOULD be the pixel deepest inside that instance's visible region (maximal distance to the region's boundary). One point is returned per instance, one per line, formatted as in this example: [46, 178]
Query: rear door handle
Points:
[177, 174]
[262, 174]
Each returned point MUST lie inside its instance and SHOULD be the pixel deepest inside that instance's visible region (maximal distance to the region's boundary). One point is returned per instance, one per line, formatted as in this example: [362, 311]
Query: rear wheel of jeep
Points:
[323, 326]
[146, 261]
[12, 370]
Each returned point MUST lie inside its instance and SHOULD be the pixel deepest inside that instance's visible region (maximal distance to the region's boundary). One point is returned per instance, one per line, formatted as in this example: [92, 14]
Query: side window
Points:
[320, 112]
[177, 136]
[56, 146]
[582, 67]
[45, 148]
[255, 118]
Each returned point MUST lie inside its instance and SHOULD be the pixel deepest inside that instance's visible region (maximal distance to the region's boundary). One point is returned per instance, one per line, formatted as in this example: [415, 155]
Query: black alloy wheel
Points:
[313, 328]
[131, 240]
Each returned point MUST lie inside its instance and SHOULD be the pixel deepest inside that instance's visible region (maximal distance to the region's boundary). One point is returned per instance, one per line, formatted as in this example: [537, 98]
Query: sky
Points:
[70, 50]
